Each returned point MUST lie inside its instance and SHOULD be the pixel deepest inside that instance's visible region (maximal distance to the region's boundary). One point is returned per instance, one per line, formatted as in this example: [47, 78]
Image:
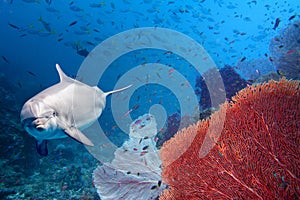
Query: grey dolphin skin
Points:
[63, 110]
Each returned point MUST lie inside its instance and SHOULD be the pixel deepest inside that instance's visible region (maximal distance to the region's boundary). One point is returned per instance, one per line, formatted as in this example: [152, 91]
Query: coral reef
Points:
[174, 122]
[135, 171]
[56, 177]
[15, 162]
[232, 82]
[172, 126]
[252, 69]
[285, 51]
[255, 157]
[267, 77]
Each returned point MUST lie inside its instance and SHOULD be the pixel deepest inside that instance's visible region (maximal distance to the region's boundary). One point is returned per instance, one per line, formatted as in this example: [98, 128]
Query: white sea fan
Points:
[135, 172]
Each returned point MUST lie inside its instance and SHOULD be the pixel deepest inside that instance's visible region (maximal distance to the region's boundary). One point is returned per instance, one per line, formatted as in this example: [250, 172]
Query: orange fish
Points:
[127, 113]
[171, 70]
[290, 51]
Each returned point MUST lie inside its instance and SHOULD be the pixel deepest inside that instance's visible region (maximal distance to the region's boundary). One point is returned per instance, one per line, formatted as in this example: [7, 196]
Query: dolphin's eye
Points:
[54, 114]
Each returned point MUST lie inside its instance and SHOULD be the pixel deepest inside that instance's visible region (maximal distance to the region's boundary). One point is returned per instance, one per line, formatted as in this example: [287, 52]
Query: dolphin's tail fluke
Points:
[118, 90]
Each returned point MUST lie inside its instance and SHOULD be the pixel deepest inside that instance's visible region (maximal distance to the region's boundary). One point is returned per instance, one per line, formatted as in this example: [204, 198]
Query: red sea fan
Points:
[256, 156]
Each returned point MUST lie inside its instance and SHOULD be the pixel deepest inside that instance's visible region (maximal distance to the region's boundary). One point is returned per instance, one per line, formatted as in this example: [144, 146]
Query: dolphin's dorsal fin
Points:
[62, 75]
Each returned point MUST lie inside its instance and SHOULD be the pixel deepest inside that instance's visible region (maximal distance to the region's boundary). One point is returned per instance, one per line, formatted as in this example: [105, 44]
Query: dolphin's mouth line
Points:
[40, 125]
[34, 122]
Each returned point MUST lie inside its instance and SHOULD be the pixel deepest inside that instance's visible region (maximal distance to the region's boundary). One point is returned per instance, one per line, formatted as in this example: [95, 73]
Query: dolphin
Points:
[63, 110]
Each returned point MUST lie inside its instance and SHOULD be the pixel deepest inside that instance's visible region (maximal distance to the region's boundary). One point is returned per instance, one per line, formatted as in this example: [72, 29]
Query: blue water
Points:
[41, 50]
[37, 34]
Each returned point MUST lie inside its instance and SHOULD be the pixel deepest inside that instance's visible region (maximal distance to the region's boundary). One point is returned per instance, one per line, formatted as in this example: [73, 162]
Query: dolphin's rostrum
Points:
[62, 110]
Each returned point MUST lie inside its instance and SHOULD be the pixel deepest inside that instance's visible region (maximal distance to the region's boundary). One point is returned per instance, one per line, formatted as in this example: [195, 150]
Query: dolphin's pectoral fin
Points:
[41, 147]
[74, 132]
[78, 135]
